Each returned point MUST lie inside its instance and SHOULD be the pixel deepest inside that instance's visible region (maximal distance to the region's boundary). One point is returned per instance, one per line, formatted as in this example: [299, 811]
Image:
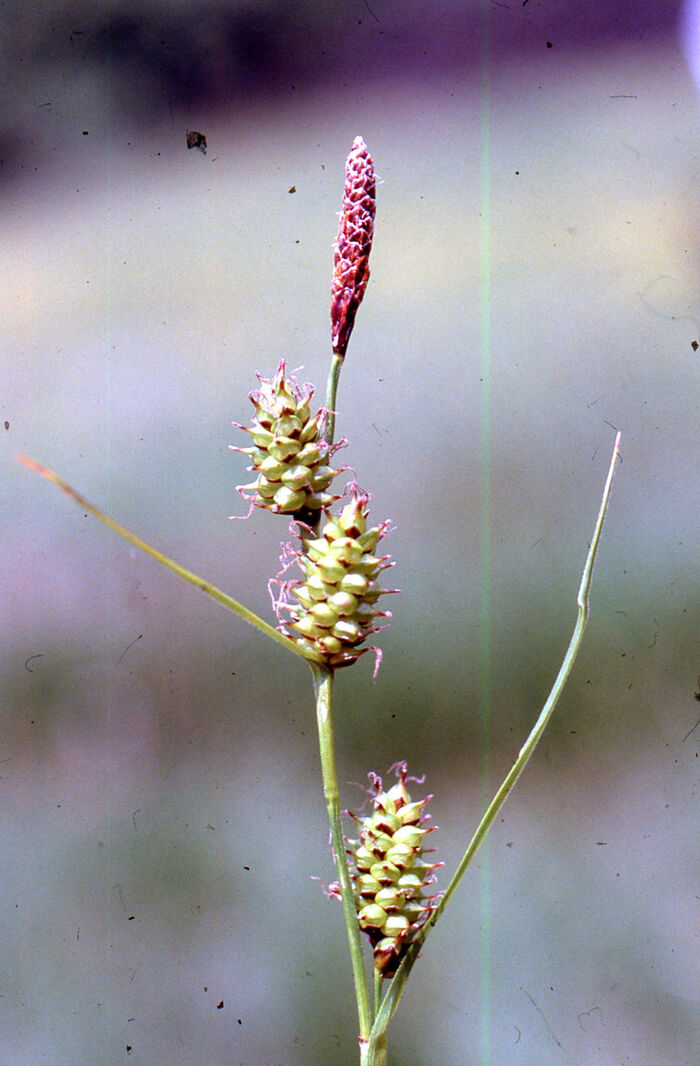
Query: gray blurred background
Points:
[161, 812]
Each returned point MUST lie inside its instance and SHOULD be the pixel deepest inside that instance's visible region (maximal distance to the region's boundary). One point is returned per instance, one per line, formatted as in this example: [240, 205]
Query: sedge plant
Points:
[328, 602]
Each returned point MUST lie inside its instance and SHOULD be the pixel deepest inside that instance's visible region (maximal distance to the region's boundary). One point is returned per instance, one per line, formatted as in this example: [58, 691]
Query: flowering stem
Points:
[331, 393]
[211, 590]
[323, 685]
[393, 996]
[378, 989]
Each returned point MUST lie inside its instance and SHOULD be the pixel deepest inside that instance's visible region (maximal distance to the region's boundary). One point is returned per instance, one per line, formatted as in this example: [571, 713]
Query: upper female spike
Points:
[352, 248]
[289, 456]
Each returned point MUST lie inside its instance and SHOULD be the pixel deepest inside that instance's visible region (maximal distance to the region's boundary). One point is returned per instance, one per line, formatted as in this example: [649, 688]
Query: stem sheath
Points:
[373, 1051]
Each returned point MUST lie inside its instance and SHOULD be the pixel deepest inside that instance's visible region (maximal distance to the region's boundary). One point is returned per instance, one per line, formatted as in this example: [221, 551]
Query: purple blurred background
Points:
[161, 811]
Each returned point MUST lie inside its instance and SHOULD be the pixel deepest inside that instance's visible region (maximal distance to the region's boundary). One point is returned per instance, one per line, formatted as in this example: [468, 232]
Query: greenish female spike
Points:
[389, 871]
[289, 457]
[333, 609]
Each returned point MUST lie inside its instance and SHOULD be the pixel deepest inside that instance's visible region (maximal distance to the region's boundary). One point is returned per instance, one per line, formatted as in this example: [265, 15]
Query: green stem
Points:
[378, 983]
[331, 393]
[198, 582]
[393, 996]
[323, 684]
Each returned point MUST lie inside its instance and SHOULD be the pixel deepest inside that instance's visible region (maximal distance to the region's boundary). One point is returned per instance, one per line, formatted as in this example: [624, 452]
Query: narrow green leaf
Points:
[211, 590]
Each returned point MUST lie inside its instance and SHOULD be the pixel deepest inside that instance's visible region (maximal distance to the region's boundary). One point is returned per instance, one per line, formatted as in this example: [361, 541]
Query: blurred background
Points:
[534, 288]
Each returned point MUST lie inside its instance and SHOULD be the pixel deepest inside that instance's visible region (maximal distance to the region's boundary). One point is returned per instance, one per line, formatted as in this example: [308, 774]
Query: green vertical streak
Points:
[485, 525]
[112, 548]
